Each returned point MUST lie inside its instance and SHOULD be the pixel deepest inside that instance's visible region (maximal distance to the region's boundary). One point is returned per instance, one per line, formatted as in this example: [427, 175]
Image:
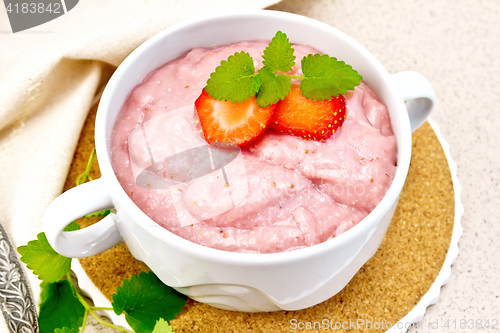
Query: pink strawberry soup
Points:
[280, 193]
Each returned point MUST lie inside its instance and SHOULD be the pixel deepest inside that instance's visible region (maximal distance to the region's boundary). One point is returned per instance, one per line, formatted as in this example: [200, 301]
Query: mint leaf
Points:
[145, 299]
[65, 330]
[278, 55]
[162, 327]
[235, 79]
[325, 77]
[105, 212]
[273, 88]
[41, 258]
[59, 308]
[73, 226]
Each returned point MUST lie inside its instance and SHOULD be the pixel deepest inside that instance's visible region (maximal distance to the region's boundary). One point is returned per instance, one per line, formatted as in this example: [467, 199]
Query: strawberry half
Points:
[308, 119]
[224, 121]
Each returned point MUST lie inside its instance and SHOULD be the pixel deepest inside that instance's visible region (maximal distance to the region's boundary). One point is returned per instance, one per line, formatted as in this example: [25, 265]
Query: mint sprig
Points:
[41, 258]
[64, 310]
[323, 76]
[234, 79]
[278, 55]
[65, 330]
[145, 299]
[162, 327]
[273, 87]
[60, 307]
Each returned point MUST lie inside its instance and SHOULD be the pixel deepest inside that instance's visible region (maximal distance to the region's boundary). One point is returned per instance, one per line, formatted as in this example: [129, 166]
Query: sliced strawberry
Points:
[224, 121]
[308, 119]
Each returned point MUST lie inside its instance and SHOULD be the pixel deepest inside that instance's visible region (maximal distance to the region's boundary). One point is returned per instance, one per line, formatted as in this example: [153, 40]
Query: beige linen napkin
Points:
[49, 77]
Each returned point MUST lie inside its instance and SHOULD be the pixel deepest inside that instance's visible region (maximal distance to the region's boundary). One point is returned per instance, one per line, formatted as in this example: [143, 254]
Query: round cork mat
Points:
[386, 288]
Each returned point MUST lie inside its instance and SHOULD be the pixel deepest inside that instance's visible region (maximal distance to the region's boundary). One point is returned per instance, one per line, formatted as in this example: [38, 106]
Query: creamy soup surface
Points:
[283, 193]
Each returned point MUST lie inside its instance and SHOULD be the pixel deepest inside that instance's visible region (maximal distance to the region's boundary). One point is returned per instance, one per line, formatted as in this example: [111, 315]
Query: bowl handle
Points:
[417, 94]
[75, 203]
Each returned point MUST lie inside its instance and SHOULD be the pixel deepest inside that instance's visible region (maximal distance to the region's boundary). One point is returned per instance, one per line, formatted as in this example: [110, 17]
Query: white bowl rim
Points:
[221, 256]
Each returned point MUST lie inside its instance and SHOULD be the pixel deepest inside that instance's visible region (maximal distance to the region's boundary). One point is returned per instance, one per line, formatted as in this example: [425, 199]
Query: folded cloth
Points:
[49, 77]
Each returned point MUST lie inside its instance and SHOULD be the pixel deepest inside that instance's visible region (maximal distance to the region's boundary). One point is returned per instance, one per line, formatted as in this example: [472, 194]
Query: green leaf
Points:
[105, 212]
[60, 308]
[274, 87]
[278, 55]
[73, 226]
[65, 330]
[235, 79]
[145, 299]
[41, 258]
[325, 77]
[162, 327]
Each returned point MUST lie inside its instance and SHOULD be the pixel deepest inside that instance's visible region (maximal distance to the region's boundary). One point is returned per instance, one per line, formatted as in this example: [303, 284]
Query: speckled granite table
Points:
[456, 45]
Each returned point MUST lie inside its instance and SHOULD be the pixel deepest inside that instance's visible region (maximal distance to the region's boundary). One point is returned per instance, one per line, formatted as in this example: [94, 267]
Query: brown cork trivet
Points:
[386, 288]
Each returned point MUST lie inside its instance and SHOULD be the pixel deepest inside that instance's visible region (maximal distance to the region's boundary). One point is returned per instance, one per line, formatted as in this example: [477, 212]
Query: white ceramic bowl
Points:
[246, 282]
